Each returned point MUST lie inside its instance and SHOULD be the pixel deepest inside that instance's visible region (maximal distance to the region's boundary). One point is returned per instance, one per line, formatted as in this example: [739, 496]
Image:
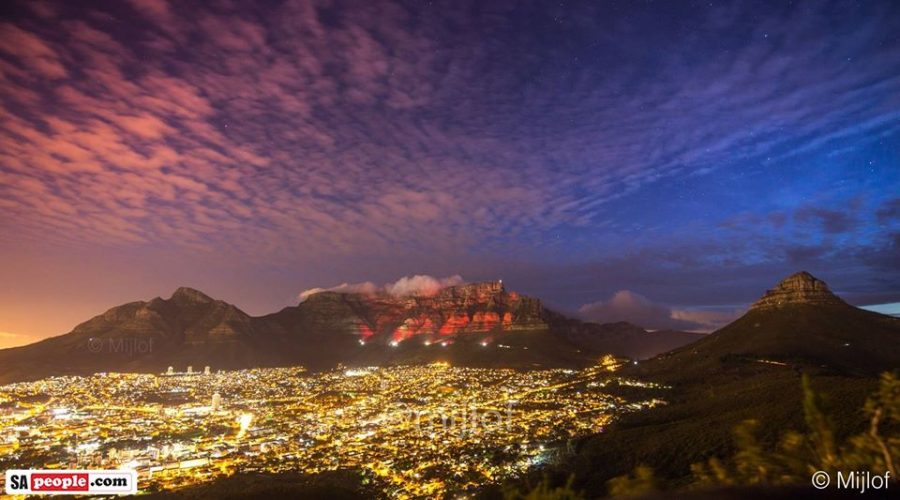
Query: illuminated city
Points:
[421, 431]
[455, 250]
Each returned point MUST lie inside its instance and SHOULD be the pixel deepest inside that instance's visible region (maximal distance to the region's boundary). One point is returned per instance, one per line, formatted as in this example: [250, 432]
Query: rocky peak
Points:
[484, 289]
[798, 288]
[187, 295]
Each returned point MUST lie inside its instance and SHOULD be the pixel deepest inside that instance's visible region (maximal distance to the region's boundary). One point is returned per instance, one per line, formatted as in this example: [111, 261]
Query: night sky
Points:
[663, 162]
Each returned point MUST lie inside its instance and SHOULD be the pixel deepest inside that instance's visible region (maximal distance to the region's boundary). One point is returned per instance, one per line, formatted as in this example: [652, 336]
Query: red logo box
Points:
[59, 481]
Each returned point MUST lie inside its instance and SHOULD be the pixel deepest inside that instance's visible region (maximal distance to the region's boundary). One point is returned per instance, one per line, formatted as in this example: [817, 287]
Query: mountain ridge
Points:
[464, 324]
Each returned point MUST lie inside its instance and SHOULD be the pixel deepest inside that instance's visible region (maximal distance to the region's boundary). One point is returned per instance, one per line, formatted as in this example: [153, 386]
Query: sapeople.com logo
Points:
[19, 482]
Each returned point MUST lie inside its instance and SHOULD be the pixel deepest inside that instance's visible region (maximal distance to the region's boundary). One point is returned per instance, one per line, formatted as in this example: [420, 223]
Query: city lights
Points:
[424, 431]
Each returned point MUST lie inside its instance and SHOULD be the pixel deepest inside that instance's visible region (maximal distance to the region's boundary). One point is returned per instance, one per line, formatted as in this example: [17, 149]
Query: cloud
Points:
[255, 131]
[421, 285]
[418, 285]
[366, 287]
[708, 319]
[831, 221]
[889, 211]
[632, 307]
[31, 51]
[8, 339]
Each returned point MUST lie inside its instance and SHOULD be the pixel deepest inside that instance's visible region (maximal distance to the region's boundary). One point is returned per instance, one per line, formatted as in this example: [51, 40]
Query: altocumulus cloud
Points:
[253, 129]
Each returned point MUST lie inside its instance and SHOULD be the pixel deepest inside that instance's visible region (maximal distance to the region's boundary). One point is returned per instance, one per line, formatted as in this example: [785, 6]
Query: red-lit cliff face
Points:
[459, 310]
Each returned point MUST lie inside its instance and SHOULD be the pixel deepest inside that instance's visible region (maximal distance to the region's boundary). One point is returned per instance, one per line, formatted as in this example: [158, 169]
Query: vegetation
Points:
[641, 482]
[544, 491]
[796, 456]
[336, 485]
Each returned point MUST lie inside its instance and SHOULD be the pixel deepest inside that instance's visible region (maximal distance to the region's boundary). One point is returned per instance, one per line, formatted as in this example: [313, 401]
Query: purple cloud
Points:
[632, 307]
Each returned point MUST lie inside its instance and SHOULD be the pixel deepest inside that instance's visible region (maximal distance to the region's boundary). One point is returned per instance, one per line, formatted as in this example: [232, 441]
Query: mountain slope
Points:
[797, 323]
[189, 328]
[621, 338]
[480, 324]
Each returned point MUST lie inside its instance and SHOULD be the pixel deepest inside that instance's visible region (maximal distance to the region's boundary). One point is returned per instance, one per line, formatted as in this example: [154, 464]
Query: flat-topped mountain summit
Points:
[474, 308]
[480, 324]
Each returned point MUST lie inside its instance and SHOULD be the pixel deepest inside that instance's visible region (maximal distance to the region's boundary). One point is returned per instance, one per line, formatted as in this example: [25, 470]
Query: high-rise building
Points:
[216, 401]
[190, 369]
[206, 370]
[170, 371]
